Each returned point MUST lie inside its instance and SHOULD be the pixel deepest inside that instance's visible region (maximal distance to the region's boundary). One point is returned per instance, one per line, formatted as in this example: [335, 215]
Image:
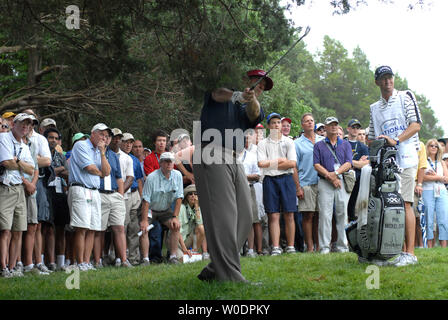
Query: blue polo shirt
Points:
[83, 155]
[224, 116]
[305, 165]
[115, 171]
[161, 192]
[324, 157]
[138, 173]
[359, 149]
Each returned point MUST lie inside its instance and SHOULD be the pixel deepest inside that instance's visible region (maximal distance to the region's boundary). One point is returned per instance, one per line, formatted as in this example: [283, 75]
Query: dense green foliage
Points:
[143, 65]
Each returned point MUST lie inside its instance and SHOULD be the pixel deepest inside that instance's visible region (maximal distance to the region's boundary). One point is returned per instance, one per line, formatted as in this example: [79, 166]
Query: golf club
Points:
[281, 58]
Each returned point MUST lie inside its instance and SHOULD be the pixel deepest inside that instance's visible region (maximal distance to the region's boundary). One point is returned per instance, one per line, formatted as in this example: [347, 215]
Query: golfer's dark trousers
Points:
[225, 201]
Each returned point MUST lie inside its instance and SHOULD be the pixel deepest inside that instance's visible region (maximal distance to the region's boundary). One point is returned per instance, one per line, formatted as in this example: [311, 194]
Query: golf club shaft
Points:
[281, 58]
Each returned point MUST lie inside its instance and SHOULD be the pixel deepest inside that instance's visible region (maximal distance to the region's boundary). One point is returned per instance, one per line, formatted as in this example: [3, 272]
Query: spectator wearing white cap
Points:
[88, 163]
[134, 202]
[15, 159]
[43, 205]
[163, 187]
[320, 129]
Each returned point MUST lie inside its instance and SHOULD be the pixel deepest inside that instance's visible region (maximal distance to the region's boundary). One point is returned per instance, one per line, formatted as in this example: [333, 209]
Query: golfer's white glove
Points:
[237, 96]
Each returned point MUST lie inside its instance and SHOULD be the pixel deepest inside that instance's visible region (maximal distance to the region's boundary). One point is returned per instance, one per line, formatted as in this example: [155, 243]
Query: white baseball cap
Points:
[127, 136]
[48, 122]
[167, 156]
[100, 127]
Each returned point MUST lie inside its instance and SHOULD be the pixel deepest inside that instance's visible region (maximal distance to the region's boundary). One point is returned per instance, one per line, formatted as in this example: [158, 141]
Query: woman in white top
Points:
[435, 196]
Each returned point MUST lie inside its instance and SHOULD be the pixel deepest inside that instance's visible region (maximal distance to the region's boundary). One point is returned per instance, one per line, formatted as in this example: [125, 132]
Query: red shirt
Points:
[151, 162]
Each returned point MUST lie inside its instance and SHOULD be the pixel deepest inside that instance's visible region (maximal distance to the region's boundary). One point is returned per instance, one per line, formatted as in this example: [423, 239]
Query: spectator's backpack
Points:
[378, 233]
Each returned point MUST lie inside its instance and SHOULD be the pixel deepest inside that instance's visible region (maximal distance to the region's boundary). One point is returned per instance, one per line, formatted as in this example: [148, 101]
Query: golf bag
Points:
[378, 233]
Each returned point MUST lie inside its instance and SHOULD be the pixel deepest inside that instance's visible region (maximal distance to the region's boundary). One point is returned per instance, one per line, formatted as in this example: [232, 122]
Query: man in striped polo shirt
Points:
[396, 117]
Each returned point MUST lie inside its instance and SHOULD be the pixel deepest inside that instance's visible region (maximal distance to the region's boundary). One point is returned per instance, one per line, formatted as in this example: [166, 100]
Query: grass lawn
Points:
[287, 277]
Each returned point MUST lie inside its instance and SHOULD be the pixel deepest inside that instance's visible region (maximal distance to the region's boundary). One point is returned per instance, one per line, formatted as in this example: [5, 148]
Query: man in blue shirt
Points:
[162, 187]
[88, 163]
[308, 204]
[330, 186]
[224, 194]
[360, 155]
[113, 210]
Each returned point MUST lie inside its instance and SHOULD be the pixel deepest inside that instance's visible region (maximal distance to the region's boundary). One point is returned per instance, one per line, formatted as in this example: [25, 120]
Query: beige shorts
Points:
[13, 214]
[309, 202]
[31, 208]
[85, 208]
[113, 210]
[254, 205]
[415, 204]
[408, 184]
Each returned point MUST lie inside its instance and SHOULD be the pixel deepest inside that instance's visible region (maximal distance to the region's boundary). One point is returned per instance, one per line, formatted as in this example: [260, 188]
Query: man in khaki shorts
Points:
[113, 210]
[15, 159]
[308, 179]
[396, 118]
[88, 163]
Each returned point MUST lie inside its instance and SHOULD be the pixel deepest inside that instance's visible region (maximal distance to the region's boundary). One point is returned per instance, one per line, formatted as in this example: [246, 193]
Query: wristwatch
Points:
[397, 141]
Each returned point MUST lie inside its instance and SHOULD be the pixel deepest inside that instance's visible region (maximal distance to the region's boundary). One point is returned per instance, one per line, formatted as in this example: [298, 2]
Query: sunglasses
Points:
[193, 194]
[434, 146]
[356, 127]
[5, 126]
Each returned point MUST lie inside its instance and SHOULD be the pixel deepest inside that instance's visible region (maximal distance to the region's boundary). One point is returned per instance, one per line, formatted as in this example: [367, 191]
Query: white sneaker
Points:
[252, 254]
[43, 268]
[19, 266]
[290, 249]
[83, 267]
[16, 273]
[5, 273]
[276, 251]
[90, 267]
[35, 270]
[405, 259]
[206, 256]
[324, 251]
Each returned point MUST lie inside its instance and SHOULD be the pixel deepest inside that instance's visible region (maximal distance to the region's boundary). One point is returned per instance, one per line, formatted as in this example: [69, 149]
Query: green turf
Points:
[287, 277]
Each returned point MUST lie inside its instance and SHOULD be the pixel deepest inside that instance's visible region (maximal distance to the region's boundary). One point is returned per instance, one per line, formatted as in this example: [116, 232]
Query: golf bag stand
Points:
[380, 235]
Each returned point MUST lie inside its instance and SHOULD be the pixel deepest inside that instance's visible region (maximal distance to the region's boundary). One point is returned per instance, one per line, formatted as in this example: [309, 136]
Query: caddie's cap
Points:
[127, 136]
[380, 71]
[47, 122]
[261, 73]
[167, 156]
[331, 120]
[353, 122]
[273, 115]
[8, 115]
[79, 136]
